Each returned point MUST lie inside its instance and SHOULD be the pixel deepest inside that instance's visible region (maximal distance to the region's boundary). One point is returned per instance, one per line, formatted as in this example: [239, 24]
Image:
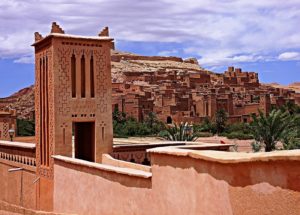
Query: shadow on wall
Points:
[127, 180]
[241, 174]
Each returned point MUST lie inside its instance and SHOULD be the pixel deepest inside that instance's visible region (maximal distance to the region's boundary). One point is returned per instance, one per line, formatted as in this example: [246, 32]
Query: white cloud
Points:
[168, 52]
[218, 31]
[287, 56]
[25, 59]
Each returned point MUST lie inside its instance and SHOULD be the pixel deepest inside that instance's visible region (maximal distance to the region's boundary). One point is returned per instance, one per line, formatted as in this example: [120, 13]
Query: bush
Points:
[238, 127]
[256, 147]
[206, 126]
[180, 132]
[237, 135]
[203, 134]
[129, 127]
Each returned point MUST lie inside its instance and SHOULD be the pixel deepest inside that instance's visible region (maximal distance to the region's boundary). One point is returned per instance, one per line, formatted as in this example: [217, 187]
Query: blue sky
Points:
[261, 36]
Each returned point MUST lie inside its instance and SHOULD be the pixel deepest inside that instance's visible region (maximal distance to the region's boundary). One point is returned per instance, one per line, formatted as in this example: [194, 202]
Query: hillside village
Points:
[176, 90]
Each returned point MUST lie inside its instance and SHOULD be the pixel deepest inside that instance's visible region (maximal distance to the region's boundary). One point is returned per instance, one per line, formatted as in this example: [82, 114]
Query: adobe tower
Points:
[72, 98]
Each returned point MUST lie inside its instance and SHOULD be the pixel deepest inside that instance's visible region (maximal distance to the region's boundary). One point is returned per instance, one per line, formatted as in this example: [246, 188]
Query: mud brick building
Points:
[192, 95]
[8, 120]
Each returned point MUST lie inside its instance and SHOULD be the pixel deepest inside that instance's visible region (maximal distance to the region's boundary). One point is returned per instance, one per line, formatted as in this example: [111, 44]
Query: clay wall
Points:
[11, 182]
[202, 182]
[18, 187]
[246, 109]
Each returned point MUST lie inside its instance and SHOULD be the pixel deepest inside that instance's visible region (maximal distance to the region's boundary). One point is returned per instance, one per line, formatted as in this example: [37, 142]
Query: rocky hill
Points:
[293, 86]
[128, 62]
[23, 100]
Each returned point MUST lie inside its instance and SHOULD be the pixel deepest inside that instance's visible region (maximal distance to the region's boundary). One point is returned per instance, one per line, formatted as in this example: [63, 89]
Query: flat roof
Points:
[228, 157]
[72, 36]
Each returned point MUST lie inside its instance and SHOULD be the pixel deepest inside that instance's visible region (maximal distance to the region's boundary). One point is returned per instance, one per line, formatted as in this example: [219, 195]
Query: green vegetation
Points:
[127, 126]
[206, 127]
[277, 126]
[25, 127]
[281, 125]
[239, 131]
[220, 121]
[181, 132]
[237, 135]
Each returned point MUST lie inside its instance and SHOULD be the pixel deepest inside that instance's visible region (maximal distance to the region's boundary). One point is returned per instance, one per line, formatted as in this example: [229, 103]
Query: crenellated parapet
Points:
[56, 28]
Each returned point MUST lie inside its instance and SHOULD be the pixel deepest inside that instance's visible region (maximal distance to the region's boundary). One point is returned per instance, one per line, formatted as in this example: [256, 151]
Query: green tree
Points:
[277, 126]
[153, 123]
[119, 117]
[220, 120]
[25, 127]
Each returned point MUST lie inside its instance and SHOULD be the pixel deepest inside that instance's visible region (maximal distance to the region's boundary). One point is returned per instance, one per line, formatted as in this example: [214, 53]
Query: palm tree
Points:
[269, 130]
[181, 132]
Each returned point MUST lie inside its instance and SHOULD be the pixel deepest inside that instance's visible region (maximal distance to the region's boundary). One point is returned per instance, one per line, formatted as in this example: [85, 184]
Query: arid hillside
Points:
[294, 86]
[22, 101]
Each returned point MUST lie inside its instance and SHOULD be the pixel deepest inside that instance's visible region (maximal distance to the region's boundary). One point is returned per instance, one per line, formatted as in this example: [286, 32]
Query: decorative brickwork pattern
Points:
[101, 80]
[64, 76]
[45, 171]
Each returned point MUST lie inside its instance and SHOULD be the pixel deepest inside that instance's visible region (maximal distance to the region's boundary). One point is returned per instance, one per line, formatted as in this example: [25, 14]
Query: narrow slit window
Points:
[73, 74]
[92, 78]
[47, 113]
[44, 111]
[82, 77]
[102, 133]
[41, 110]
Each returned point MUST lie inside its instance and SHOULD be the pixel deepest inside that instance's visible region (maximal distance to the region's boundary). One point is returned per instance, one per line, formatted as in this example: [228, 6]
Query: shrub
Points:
[238, 135]
[206, 126]
[238, 127]
[203, 134]
[181, 132]
[256, 147]
[128, 126]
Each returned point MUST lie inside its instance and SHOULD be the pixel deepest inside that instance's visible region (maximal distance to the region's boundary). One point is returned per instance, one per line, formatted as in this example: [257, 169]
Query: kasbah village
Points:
[114, 132]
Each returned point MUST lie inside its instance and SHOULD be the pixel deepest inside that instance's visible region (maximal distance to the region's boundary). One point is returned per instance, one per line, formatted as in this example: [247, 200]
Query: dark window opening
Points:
[92, 77]
[82, 77]
[169, 120]
[73, 75]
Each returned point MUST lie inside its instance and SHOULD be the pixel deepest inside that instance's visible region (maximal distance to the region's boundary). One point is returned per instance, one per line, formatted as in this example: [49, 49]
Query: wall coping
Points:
[17, 144]
[228, 157]
[17, 164]
[104, 167]
[109, 160]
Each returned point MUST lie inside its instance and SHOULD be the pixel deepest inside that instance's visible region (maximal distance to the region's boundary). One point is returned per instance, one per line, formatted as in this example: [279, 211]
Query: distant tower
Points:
[265, 103]
[72, 96]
